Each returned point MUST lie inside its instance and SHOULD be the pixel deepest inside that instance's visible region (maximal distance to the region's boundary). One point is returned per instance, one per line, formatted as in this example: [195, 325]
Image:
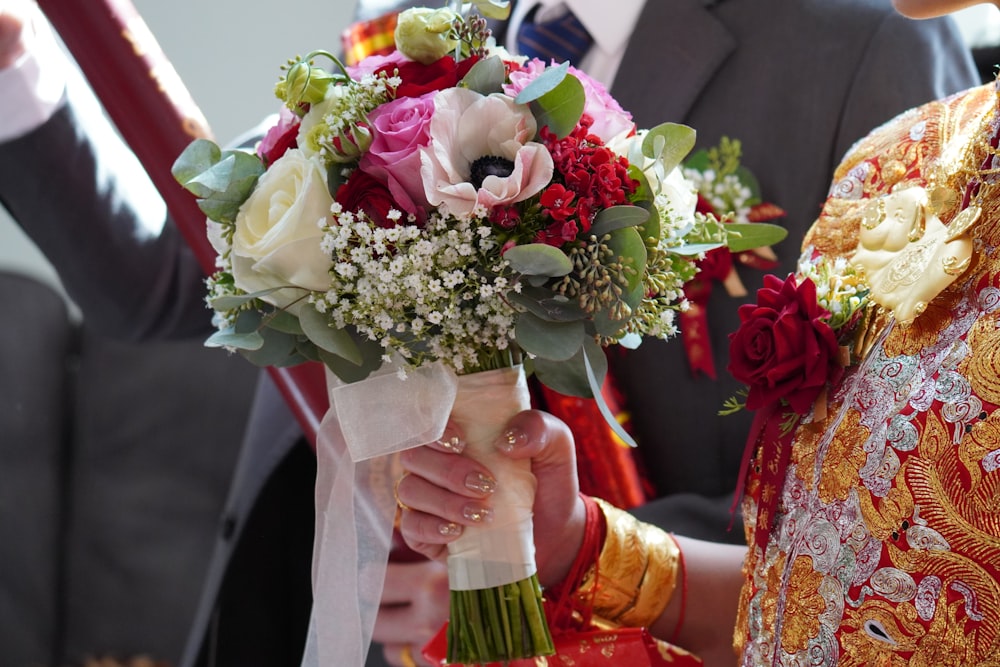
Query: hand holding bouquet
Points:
[451, 205]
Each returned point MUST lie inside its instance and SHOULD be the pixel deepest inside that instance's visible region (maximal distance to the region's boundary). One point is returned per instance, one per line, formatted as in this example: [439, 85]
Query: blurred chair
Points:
[112, 480]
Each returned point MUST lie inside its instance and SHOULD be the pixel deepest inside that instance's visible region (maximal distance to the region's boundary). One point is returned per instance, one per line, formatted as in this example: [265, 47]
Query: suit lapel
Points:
[676, 48]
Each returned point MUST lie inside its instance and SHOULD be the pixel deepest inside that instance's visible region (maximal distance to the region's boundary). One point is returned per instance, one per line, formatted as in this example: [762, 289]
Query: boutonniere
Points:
[795, 342]
[729, 191]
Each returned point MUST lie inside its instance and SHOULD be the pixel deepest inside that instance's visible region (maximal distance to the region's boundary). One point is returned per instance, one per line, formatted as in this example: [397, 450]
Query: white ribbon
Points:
[368, 422]
[502, 551]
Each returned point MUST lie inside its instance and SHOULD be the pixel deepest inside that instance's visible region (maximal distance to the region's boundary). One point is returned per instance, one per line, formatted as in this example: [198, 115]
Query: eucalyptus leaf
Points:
[643, 193]
[233, 301]
[692, 249]
[228, 337]
[371, 360]
[486, 76]
[546, 305]
[282, 320]
[668, 143]
[198, 156]
[307, 349]
[634, 296]
[543, 83]
[556, 341]
[275, 351]
[538, 259]
[221, 180]
[602, 406]
[293, 359]
[605, 326]
[337, 341]
[618, 217]
[742, 236]
[248, 320]
[571, 377]
[629, 246]
[560, 109]
[650, 230]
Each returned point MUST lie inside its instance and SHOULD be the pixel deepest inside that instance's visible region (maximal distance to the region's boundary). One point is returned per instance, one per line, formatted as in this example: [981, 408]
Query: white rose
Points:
[277, 238]
[679, 191]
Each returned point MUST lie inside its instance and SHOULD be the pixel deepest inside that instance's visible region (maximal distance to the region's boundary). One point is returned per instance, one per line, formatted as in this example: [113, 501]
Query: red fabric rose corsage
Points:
[787, 353]
[785, 350]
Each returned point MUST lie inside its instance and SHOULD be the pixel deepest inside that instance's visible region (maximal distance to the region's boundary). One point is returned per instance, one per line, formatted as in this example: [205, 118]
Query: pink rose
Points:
[399, 129]
[372, 64]
[279, 138]
[610, 119]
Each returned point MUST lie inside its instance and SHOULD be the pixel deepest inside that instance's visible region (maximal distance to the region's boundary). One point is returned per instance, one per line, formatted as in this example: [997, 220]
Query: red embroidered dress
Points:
[885, 542]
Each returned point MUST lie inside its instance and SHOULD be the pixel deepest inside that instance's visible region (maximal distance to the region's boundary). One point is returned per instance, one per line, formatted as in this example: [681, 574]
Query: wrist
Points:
[567, 552]
[635, 575]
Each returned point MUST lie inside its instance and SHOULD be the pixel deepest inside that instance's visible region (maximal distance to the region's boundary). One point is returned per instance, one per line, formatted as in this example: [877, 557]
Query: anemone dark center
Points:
[489, 165]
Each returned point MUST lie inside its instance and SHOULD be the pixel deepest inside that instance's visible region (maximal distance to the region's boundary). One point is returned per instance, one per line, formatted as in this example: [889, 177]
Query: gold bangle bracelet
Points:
[636, 573]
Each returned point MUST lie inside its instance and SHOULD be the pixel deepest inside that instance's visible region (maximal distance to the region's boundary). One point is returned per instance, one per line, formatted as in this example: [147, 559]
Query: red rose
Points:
[784, 348]
[366, 194]
[418, 79]
[279, 138]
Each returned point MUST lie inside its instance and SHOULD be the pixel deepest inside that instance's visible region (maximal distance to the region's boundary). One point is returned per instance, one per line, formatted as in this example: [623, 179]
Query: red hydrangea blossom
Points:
[593, 178]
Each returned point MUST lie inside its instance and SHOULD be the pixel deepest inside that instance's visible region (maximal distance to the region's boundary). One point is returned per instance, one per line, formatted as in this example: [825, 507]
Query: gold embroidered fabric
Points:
[886, 546]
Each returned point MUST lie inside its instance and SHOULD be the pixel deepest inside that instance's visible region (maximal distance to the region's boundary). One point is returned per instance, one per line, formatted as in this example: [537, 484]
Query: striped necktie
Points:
[560, 39]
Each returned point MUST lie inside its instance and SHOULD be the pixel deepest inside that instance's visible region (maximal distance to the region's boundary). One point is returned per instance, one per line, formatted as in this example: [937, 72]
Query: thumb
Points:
[546, 440]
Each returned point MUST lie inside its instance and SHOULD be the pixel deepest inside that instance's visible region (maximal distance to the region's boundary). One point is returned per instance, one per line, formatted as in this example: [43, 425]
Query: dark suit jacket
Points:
[797, 82]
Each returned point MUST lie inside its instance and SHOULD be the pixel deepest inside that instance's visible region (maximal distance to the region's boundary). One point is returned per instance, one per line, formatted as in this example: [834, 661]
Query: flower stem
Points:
[498, 624]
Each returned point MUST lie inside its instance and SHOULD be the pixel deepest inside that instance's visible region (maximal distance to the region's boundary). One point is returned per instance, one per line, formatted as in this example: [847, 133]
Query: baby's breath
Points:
[839, 287]
[431, 293]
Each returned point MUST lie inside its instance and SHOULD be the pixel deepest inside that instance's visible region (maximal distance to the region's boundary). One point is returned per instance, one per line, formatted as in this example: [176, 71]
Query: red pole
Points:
[157, 117]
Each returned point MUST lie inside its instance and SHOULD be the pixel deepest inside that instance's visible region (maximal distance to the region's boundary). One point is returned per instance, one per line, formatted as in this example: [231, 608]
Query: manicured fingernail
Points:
[477, 481]
[450, 529]
[511, 438]
[451, 442]
[477, 513]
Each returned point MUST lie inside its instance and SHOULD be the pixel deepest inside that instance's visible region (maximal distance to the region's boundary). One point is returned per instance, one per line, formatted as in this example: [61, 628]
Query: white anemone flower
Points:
[481, 154]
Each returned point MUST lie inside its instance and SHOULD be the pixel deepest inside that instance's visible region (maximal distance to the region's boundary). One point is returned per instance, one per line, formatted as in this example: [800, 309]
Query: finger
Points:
[456, 474]
[428, 534]
[541, 437]
[421, 495]
[451, 441]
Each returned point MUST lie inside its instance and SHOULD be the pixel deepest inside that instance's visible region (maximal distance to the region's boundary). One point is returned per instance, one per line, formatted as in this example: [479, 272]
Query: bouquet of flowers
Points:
[451, 205]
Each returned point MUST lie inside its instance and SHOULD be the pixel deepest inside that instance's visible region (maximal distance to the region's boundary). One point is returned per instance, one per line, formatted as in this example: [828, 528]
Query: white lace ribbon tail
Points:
[368, 422]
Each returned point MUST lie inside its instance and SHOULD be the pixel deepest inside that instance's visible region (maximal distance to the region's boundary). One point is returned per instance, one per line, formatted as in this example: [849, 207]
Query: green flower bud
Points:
[351, 145]
[426, 35]
[303, 83]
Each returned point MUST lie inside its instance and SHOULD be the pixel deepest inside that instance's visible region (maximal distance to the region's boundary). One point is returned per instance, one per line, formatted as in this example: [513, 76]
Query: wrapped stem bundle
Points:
[496, 601]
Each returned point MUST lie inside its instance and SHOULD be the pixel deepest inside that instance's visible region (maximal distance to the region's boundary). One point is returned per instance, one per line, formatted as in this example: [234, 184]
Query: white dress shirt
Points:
[32, 88]
[609, 23]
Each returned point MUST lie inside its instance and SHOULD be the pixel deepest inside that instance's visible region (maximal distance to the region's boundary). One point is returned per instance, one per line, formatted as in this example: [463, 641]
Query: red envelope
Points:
[622, 647]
